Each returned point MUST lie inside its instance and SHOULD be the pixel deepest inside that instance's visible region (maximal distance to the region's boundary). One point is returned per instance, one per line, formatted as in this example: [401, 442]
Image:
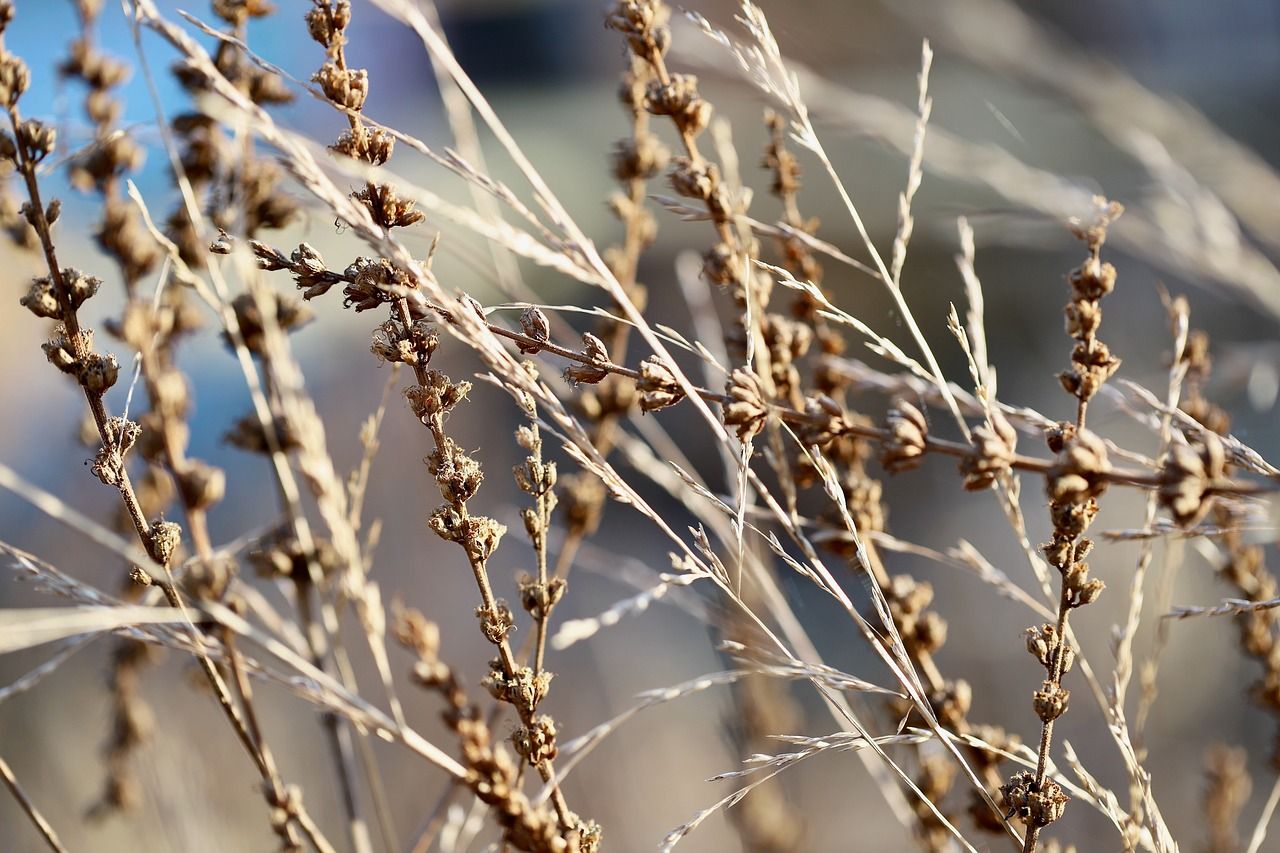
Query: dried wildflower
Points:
[535, 325]
[524, 688]
[904, 449]
[747, 407]
[538, 599]
[438, 396]
[1187, 473]
[992, 455]
[390, 342]
[458, 475]
[536, 743]
[679, 99]
[698, 180]
[346, 87]
[644, 22]
[589, 374]
[166, 537]
[1037, 804]
[1081, 469]
[1050, 701]
[496, 622]
[1044, 645]
[658, 386]
[98, 372]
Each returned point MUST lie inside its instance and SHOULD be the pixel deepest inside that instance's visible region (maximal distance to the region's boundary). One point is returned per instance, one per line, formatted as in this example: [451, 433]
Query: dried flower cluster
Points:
[751, 518]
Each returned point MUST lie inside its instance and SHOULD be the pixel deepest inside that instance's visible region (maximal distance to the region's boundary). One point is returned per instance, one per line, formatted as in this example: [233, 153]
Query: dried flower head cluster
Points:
[753, 514]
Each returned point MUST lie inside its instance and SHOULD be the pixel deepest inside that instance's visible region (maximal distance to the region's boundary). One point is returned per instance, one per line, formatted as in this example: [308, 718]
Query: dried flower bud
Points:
[537, 743]
[535, 325]
[679, 98]
[14, 79]
[437, 397]
[992, 454]
[1050, 701]
[694, 180]
[658, 386]
[346, 87]
[1081, 469]
[1186, 475]
[723, 264]
[1036, 805]
[496, 622]
[538, 599]
[523, 688]
[98, 372]
[458, 475]
[589, 374]
[1093, 280]
[36, 139]
[201, 484]
[41, 300]
[166, 536]
[904, 449]
[644, 23]
[747, 408]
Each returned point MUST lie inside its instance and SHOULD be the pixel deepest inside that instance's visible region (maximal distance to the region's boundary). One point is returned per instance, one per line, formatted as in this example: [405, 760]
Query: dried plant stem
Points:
[488, 601]
[1073, 491]
[47, 833]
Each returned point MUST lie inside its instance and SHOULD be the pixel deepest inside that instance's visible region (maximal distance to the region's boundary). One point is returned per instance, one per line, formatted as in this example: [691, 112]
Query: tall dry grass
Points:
[750, 442]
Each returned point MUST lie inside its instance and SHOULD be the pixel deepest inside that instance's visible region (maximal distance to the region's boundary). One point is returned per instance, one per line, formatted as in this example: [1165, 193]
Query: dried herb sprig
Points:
[1074, 485]
[59, 296]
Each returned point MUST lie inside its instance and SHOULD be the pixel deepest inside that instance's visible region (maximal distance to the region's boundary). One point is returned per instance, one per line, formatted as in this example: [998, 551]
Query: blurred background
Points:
[1171, 108]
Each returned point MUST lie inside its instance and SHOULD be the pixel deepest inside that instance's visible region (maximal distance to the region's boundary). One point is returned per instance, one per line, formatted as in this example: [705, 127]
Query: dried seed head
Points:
[538, 599]
[41, 300]
[658, 386]
[1092, 281]
[1072, 519]
[496, 622]
[584, 497]
[905, 447]
[98, 372]
[1186, 476]
[346, 87]
[201, 484]
[589, 374]
[639, 158]
[992, 455]
[1050, 701]
[524, 688]
[694, 180]
[1037, 805]
[458, 475]
[166, 537]
[1081, 469]
[437, 397]
[1078, 588]
[679, 98]
[952, 702]
[536, 743]
[284, 311]
[535, 325]
[644, 23]
[36, 139]
[747, 408]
